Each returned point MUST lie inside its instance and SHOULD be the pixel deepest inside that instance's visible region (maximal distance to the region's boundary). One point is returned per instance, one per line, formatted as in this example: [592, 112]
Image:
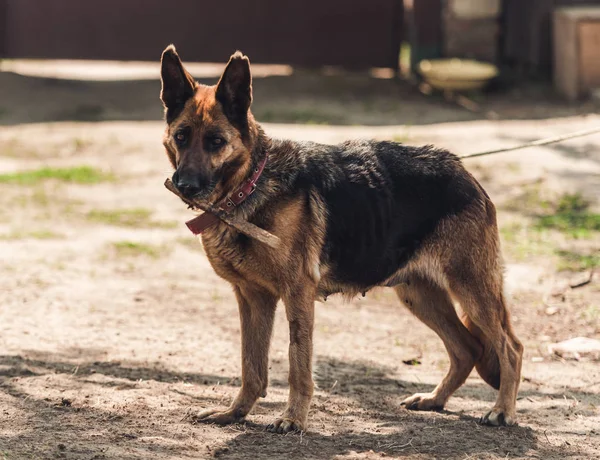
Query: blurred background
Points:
[542, 52]
[113, 326]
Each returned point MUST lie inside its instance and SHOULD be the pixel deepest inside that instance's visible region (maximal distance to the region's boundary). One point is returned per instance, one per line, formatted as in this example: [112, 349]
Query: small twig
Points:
[547, 437]
[240, 225]
[187, 415]
[409, 443]
[394, 445]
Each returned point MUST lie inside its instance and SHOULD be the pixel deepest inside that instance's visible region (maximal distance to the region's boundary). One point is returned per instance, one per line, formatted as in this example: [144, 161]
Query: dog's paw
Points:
[285, 425]
[497, 417]
[422, 401]
[219, 417]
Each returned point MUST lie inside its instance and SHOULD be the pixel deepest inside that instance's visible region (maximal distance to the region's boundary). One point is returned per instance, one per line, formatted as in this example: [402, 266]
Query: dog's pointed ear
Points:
[177, 84]
[234, 90]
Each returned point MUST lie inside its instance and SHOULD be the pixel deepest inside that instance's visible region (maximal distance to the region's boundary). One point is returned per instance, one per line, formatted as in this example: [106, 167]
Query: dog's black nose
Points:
[189, 185]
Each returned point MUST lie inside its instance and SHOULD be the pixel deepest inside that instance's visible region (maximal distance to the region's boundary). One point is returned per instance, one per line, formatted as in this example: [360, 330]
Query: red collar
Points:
[205, 220]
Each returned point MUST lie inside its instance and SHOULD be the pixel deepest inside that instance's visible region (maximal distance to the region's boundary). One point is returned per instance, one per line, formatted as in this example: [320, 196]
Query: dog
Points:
[349, 217]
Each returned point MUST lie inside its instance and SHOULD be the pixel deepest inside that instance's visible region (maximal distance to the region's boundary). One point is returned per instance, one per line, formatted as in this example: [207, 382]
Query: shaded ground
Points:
[126, 91]
[114, 328]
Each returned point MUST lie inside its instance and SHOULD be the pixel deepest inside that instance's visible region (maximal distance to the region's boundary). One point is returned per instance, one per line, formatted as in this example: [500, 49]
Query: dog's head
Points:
[210, 133]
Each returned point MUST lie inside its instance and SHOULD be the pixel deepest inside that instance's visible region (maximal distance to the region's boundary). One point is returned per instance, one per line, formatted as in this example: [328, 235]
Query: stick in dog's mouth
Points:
[243, 226]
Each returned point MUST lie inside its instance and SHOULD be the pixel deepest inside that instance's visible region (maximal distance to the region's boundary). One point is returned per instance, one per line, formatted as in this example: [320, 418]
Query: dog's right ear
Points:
[177, 84]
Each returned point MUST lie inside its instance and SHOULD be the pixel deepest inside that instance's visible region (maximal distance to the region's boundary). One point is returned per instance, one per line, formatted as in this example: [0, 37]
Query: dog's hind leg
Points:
[257, 311]
[484, 305]
[433, 306]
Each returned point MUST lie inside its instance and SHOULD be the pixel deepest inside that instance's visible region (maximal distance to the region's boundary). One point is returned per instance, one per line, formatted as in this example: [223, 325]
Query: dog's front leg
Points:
[257, 310]
[300, 310]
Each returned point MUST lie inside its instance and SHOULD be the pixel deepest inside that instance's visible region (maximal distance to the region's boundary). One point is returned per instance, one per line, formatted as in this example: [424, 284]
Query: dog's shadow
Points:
[372, 388]
[349, 389]
[446, 439]
[394, 431]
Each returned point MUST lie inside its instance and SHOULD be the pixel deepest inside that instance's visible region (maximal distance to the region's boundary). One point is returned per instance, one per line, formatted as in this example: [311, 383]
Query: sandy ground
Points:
[113, 333]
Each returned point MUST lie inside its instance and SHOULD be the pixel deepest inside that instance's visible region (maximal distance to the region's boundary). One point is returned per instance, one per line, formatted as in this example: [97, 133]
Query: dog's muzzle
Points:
[190, 185]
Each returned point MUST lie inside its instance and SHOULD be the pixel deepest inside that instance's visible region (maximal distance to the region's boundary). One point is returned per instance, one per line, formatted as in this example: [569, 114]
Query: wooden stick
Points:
[243, 226]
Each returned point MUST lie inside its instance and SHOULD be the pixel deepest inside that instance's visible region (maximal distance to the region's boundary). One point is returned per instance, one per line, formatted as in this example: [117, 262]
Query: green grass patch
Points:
[530, 201]
[36, 235]
[513, 167]
[77, 175]
[574, 261]
[215, 296]
[43, 204]
[133, 249]
[522, 243]
[401, 138]
[80, 144]
[191, 243]
[568, 214]
[37, 197]
[572, 217]
[591, 314]
[579, 225]
[137, 217]
[510, 232]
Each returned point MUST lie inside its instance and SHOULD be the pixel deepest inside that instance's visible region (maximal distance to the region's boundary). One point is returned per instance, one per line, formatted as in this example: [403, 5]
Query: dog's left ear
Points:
[177, 84]
[234, 90]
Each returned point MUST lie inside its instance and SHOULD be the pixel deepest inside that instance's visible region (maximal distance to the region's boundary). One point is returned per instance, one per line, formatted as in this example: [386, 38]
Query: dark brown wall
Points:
[527, 33]
[3, 24]
[350, 33]
[423, 30]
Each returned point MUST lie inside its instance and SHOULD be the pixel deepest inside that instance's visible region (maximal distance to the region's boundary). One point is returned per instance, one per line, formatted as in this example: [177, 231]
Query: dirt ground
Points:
[114, 329]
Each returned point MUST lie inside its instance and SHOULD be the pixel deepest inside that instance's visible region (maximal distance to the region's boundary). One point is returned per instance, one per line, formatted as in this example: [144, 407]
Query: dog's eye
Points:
[215, 142]
[181, 137]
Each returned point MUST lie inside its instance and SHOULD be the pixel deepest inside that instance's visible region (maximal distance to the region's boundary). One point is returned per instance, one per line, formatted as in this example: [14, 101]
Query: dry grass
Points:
[136, 217]
[125, 249]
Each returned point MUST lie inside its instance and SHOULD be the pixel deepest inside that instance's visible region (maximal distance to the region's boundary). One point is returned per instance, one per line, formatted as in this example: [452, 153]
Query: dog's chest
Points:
[239, 259]
[227, 252]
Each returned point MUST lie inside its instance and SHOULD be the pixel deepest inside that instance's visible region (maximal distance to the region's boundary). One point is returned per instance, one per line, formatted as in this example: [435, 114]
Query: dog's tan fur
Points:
[463, 269]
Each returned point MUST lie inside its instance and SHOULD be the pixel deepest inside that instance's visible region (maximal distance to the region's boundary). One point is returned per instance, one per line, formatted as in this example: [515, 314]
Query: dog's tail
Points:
[488, 366]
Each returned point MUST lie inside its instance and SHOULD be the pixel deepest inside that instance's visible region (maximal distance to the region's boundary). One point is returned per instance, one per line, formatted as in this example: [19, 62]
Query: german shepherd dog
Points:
[349, 217]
